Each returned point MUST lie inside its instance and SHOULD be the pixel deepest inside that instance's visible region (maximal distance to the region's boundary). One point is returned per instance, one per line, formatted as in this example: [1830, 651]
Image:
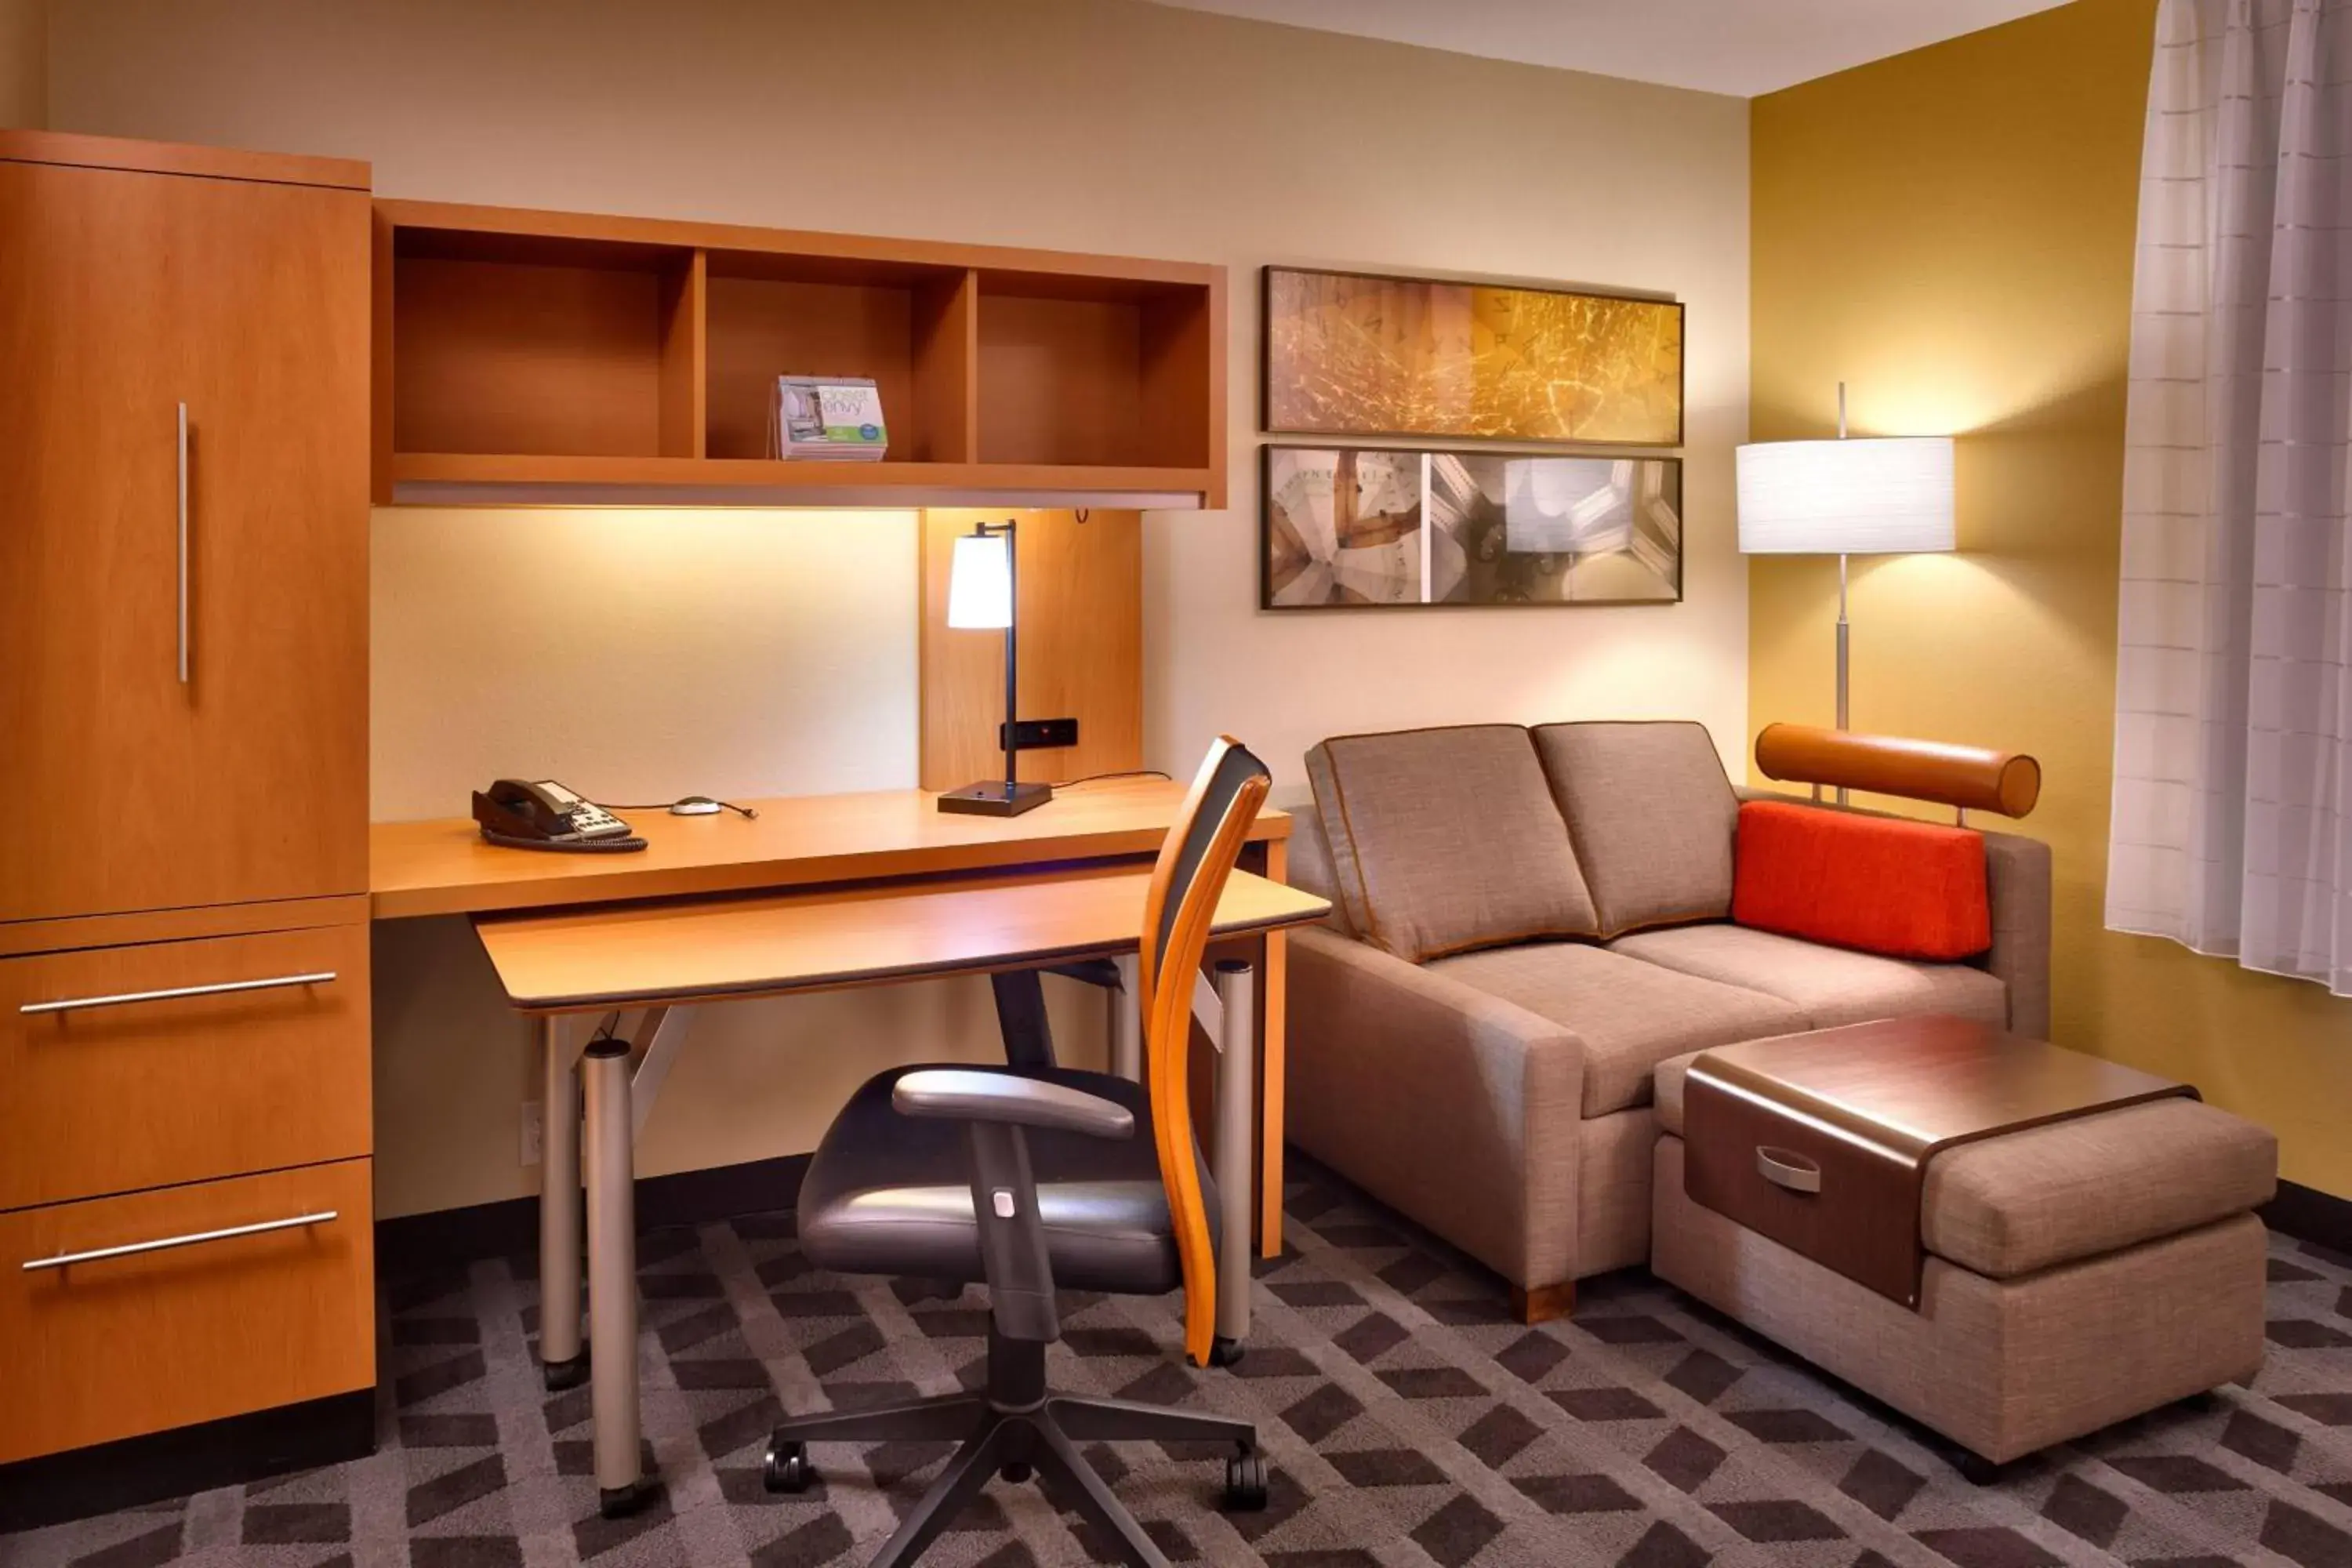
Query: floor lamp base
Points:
[996, 799]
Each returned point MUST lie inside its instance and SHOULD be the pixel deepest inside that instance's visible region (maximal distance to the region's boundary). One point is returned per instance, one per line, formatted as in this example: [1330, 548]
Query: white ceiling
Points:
[1739, 46]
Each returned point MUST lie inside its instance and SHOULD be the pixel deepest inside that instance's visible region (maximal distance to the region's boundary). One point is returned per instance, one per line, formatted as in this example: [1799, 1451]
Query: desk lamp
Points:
[981, 597]
[1877, 496]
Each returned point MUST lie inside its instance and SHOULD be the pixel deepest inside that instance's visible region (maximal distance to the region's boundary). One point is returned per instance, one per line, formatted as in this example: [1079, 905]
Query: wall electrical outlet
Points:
[1034, 734]
[533, 1130]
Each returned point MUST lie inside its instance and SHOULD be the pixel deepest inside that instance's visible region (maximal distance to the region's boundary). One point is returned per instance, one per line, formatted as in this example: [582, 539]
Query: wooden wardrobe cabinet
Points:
[183, 623]
[185, 1213]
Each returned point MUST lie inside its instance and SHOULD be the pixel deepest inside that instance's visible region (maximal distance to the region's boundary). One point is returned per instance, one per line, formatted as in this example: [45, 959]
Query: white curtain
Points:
[2232, 825]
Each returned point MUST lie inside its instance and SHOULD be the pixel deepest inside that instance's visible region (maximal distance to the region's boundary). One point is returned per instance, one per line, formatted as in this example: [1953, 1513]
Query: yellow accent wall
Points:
[1950, 232]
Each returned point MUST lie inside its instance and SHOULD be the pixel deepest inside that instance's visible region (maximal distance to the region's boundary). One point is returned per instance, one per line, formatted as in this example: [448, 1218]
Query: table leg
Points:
[611, 1276]
[1236, 1153]
[558, 1210]
[1127, 1019]
[1272, 1053]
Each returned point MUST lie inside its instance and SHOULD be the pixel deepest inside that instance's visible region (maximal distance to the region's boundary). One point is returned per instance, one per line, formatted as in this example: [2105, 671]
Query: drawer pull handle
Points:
[219, 988]
[1783, 1168]
[166, 1243]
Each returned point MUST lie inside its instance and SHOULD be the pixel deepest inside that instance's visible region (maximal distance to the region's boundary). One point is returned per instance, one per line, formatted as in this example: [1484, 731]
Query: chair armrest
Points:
[964, 1094]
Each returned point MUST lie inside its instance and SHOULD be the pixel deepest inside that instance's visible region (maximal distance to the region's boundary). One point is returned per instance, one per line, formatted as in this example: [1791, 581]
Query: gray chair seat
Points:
[887, 1194]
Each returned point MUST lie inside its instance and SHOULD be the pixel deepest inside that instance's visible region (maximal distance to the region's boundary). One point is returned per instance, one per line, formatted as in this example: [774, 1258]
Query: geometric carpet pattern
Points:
[1407, 1420]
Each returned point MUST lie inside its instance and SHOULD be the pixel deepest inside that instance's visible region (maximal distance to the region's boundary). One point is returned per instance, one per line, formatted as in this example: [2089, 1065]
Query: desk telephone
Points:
[546, 816]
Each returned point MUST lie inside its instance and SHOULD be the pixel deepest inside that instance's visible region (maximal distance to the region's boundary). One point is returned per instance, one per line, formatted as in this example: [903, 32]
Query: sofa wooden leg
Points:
[1543, 1303]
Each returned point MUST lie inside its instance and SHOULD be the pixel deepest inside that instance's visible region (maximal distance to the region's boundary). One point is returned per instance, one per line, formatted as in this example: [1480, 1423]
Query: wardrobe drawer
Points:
[186, 1325]
[138, 1067]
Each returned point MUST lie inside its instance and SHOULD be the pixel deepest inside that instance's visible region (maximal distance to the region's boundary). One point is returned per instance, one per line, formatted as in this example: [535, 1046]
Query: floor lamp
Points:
[1876, 496]
[982, 596]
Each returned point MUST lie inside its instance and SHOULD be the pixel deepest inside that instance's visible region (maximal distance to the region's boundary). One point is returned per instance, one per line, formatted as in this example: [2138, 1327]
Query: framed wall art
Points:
[1362, 527]
[1352, 354]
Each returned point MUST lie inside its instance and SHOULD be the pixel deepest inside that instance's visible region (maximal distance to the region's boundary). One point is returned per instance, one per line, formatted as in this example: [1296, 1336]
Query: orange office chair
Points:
[1032, 1179]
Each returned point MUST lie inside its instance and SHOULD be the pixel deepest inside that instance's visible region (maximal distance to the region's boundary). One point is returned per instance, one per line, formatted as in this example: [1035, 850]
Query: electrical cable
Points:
[1122, 773]
[747, 813]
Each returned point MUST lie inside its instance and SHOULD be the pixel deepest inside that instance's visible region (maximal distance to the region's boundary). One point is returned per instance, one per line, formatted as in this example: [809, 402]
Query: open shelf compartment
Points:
[545, 358]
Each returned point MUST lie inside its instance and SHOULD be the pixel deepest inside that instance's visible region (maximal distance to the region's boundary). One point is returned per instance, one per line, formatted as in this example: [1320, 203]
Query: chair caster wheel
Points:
[1246, 1482]
[1018, 1471]
[786, 1467]
[1223, 1351]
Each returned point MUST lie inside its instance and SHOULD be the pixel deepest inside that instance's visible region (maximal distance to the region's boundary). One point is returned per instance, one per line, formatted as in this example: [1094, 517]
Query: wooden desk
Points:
[873, 933]
[824, 892]
[443, 868]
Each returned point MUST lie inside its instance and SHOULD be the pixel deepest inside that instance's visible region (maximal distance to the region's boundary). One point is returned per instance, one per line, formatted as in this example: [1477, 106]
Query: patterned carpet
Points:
[1408, 1421]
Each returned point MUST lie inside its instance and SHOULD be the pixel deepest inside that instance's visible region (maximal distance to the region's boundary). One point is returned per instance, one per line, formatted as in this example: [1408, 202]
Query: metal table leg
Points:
[1127, 1019]
[613, 1275]
[559, 1211]
[1236, 1099]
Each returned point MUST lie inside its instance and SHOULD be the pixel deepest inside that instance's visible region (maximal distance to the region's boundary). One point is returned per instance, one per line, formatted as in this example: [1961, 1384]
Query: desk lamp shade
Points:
[1869, 496]
[980, 583]
[981, 598]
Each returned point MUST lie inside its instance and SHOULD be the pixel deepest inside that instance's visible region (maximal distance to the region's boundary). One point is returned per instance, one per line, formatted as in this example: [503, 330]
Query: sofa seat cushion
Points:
[2030, 1200]
[1446, 840]
[1650, 812]
[1630, 1016]
[1828, 985]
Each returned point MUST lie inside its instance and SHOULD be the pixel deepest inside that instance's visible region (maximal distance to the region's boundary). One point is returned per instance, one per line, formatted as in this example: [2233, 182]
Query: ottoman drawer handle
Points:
[1785, 1168]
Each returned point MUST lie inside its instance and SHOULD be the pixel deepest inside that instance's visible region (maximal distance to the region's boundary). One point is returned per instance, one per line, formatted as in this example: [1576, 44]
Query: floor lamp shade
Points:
[1869, 495]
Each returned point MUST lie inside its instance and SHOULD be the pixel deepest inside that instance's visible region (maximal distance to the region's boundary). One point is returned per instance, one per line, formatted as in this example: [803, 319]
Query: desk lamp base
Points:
[996, 799]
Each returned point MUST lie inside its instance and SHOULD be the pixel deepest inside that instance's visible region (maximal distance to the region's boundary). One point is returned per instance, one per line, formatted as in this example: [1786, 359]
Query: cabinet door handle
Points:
[183, 544]
[218, 988]
[1786, 1168]
[165, 1243]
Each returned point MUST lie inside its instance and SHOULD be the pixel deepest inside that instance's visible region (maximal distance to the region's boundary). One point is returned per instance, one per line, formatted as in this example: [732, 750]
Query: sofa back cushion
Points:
[1651, 813]
[1882, 884]
[1446, 840]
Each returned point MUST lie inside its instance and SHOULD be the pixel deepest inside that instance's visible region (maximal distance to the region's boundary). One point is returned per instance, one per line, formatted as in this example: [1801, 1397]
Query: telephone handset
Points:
[546, 816]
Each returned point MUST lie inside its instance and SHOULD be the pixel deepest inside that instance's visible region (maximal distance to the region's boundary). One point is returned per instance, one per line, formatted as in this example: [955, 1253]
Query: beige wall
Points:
[1085, 124]
[1952, 231]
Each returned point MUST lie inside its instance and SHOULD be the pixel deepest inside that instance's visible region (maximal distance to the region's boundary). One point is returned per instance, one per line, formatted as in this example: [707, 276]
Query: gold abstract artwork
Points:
[1349, 353]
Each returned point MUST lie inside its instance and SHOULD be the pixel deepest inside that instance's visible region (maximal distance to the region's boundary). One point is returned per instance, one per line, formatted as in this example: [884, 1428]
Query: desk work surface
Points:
[826, 937]
[443, 866]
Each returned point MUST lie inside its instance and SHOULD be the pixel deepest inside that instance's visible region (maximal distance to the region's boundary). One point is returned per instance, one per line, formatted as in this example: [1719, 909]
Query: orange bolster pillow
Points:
[1908, 889]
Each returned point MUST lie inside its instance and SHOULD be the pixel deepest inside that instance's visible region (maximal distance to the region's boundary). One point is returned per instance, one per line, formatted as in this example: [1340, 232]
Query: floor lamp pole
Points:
[1843, 629]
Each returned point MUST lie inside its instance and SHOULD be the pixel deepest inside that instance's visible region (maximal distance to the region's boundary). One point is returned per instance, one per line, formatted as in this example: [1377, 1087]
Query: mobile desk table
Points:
[823, 893]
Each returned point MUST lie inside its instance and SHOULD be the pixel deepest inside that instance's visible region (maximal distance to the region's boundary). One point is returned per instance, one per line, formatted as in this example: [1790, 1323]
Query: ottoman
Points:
[2077, 1273]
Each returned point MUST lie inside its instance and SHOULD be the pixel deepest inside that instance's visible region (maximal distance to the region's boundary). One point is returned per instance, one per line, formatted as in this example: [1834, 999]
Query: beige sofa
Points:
[1527, 923]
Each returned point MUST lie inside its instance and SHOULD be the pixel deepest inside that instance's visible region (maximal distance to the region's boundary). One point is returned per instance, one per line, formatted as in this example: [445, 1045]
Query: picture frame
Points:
[1345, 526]
[1372, 354]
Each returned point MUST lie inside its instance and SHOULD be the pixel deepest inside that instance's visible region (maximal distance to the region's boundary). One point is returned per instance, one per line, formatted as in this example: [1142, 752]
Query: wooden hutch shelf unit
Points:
[555, 358]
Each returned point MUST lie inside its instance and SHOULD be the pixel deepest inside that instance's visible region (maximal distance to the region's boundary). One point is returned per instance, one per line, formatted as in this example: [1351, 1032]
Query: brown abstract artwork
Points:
[1364, 527]
[1349, 353]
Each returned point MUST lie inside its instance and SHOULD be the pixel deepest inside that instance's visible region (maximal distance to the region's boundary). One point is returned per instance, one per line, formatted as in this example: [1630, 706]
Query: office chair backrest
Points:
[1194, 862]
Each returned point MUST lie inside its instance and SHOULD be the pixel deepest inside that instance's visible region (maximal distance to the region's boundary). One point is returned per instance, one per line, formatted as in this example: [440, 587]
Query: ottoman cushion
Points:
[2027, 1201]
